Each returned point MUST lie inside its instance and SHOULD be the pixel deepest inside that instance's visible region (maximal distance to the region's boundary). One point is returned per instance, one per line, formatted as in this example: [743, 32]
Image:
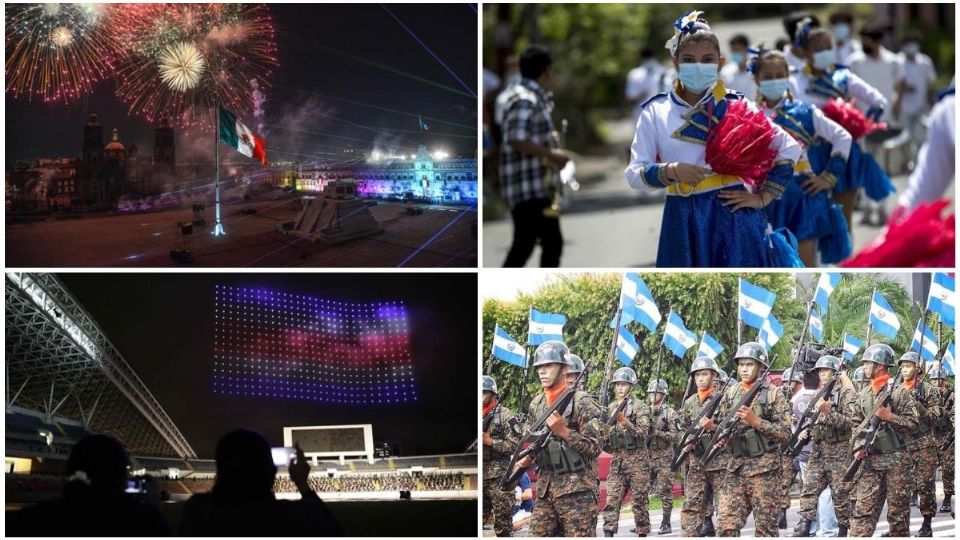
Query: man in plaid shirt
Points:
[525, 156]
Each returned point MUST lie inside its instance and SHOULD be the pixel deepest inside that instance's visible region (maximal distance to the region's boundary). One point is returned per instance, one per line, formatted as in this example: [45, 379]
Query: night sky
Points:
[308, 37]
[163, 325]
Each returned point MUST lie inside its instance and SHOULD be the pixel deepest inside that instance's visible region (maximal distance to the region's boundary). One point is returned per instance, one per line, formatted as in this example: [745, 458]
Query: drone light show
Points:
[273, 344]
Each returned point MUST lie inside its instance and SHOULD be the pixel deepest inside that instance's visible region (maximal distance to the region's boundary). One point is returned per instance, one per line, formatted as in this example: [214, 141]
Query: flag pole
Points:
[604, 391]
[218, 228]
[739, 320]
[869, 323]
[526, 364]
[489, 368]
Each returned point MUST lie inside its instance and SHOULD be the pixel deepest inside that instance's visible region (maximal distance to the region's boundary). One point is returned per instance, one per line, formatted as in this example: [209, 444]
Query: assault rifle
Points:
[809, 418]
[731, 422]
[623, 405]
[869, 430]
[695, 431]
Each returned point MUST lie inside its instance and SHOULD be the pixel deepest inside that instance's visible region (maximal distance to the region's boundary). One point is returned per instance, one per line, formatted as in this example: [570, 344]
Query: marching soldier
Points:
[830, 454]
[860, 380]
[499, 442]
[792, 384]
[663, 428]
[923, 444]
[752, 480]
[944, 432]
[576, 368]
[630, 466]
[566, 496]
[887, 466]
[699, 484]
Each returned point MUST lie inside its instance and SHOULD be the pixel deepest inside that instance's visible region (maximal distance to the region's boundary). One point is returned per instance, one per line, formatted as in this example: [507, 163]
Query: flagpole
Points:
[604, 392]
[939, 342]
[526, 364]
[218, 228]
[489, 369]
[739, 320]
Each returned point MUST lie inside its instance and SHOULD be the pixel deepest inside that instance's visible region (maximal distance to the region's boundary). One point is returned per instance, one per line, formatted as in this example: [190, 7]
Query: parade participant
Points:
[936, 167]
[735, 74]
[709, 220]
[887, 466]
[806, 205]
[576, 368]
[922, 445]
[630, 464]
[529, 154]
[841, 24]
[751, 483]
[795, 58]
[914, 92]
[830, 454]
[821, 80]
[663, 427]
[789, 467]
[945, 433]
[498, 443]
[566, 486]
[644, 81]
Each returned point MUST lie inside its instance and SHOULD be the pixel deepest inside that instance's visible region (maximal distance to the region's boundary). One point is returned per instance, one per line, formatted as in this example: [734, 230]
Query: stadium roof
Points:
[58, 361]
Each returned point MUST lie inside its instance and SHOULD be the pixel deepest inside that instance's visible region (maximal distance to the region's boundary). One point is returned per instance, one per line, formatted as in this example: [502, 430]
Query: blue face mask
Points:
[697, 77]
[774, 88]
[910, 48]
[841, 31]
[824, 59]
[737, 57]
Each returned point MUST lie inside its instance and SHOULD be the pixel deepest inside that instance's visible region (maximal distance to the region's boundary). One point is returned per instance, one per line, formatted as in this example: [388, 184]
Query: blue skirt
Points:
[699, 232]
[864, 172]
[806, 216]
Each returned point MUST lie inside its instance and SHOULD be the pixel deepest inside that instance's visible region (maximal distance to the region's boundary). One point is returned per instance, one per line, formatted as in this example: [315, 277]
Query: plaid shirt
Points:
[526, 118]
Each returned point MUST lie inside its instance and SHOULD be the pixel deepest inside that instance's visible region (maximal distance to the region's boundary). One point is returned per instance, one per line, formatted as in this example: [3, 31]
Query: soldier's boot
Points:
[782, 522]
[707, 530]
[925, 529]
[802, 529]
[884, 535]
[665, 524]
[842, 530]
[608, 534]
[913, 499]
[946, 504]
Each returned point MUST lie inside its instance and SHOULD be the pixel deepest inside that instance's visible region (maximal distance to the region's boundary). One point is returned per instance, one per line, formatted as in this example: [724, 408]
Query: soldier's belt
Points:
[709, 183]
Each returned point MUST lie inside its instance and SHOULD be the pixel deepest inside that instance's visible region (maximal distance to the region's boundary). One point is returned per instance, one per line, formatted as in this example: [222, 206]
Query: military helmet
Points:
[551, 352]
[829, 362]
[753, 351]
[487, 384]
[911, 356]
[658, 385]
[879, 353]
[937, 372]
[722, 375]
[788, 375]
[704, 362]
[576, 364]
[859, 376]
[625, 374]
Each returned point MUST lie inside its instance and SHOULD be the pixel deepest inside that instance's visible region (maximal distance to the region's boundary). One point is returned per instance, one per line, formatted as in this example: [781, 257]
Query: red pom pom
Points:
[740, 144]
[924, 238]
[851, 118]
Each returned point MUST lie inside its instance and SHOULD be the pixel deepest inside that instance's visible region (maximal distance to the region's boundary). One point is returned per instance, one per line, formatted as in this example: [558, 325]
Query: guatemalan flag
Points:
[709, 347]
[770, 332]
[816, 327]
[545, 327]
[942, 299]
[676, 336]
[927, 347]
[239, 137]
[825, 286]
[851, 346]
[627, 346]
[755, 303]
[882, 317]
[507, 349]
[637, 303]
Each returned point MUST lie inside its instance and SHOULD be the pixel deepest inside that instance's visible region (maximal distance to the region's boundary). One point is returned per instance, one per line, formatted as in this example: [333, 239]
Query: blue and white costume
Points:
[839, 82]
[697, 230]
[807, 216]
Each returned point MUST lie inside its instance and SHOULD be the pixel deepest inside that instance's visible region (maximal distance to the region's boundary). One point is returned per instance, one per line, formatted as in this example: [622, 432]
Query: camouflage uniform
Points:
[567, 501]
[665, 435]
[752, 483]
[829, 458]
[629, 468]
[888, 472]
[923, 446]
[496, 458]
[945, 433]
[700, 484]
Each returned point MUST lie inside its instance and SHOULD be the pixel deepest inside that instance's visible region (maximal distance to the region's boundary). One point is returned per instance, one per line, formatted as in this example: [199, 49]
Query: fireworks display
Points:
[184, 59]
[56, 52]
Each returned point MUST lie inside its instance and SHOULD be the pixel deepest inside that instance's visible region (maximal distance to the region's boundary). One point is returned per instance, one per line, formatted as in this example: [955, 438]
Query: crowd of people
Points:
[396, 481]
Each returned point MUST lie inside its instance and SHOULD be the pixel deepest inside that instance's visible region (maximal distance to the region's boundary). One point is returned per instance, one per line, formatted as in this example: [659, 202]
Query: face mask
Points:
[911, 48]
[841, 31]
[513, 79]
[824, 59]
[775, 88]
[697, 77]
[736, 57]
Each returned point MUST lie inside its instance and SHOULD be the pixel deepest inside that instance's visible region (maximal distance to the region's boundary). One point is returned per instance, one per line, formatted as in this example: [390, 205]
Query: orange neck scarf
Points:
[747, 386]
[878, 382]
[910, 384]
[489, 406]
[552, 395]
[704, 394]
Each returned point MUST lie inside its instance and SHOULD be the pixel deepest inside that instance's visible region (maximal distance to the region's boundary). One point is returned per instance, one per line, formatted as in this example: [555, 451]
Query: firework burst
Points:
[55, 52]
[183, 59]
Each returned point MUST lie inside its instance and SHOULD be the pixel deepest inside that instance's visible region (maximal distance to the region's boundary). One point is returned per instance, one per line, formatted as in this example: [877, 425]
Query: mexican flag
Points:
[238, 136]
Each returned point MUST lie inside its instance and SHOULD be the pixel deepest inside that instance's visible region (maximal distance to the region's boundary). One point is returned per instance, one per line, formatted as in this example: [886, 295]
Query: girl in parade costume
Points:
[821, 81]
[805, 208]
[709, 219]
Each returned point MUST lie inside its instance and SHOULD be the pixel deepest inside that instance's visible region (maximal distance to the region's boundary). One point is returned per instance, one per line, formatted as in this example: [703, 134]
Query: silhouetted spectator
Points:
[94, 502]
[242, 501]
